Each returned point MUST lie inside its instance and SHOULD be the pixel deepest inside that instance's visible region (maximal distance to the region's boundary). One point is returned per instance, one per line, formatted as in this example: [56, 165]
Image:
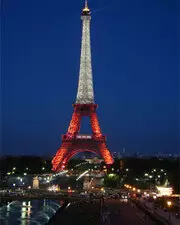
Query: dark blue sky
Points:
[135, 70]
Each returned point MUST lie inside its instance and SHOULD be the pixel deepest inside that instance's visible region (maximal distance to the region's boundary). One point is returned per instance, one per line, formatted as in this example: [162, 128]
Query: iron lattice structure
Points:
[72, 142]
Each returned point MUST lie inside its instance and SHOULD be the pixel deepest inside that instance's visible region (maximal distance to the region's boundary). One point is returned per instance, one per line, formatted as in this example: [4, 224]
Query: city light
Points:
[54, 188]
[81, 175]
[102, 189]
[164, 191]
[111, 175]
[169, 203]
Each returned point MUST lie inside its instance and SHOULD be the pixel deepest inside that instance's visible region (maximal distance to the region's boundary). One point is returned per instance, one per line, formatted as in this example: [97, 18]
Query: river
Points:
[34, 212]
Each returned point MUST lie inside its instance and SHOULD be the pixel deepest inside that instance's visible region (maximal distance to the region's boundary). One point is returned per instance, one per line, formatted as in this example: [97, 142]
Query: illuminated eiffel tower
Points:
[72, 142]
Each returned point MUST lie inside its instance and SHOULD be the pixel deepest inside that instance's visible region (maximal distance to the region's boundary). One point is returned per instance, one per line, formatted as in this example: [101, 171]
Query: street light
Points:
[150, 177]
[169, 204]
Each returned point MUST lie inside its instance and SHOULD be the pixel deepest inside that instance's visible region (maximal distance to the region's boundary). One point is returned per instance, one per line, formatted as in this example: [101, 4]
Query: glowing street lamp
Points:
[150, 177]
[169, 204]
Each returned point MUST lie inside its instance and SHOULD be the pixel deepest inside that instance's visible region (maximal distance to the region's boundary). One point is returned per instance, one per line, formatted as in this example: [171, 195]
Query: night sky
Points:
[135, 71]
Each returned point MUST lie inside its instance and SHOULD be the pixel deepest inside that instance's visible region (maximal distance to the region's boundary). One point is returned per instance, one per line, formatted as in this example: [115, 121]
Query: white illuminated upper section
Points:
[85, 94]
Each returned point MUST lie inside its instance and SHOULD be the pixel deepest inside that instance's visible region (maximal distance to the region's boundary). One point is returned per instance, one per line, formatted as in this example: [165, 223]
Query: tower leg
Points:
[74, 126]
[95, 125]
[105, 153]
[60, 155]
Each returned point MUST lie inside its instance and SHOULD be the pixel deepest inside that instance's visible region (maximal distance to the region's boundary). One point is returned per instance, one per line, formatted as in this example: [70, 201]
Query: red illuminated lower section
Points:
[72, 143]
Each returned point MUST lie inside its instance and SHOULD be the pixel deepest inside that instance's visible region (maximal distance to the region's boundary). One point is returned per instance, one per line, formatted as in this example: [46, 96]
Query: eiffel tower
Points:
[72, 141]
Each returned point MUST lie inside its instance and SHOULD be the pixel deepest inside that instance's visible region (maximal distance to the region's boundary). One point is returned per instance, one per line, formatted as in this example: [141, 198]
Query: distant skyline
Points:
[135, 72]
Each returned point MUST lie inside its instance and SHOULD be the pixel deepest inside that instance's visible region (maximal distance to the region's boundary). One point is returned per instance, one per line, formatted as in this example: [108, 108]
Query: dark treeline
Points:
[139, 166]
[22, 164]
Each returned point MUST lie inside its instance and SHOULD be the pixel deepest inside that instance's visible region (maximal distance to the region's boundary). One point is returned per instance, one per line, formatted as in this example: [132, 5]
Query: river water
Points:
[34, 212]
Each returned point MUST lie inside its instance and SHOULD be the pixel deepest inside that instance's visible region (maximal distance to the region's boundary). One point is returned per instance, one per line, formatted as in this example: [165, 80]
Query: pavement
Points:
[115, 212]
[83, 213]
[124, 213]
[169, 216]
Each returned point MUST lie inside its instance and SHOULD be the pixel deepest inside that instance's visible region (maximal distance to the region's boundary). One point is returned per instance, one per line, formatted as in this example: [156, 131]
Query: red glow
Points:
[72, 145]
[106, 154]
[95, 125]
[74, 124]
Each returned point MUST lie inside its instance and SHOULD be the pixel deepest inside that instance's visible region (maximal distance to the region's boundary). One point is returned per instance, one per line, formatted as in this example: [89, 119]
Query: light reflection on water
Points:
[35, 212]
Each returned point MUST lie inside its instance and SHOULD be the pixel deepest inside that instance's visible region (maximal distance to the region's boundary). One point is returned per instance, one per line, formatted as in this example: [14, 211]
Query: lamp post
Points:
[150, 177]
[169, 204]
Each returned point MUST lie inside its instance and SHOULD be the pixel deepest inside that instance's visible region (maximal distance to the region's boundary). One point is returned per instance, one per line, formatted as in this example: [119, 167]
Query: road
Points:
[122, 213]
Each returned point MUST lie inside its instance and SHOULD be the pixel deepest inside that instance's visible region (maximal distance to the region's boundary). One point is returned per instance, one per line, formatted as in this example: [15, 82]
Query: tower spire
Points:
[85, 94]
[86, 4]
